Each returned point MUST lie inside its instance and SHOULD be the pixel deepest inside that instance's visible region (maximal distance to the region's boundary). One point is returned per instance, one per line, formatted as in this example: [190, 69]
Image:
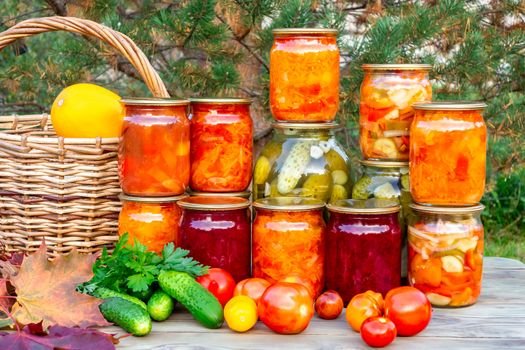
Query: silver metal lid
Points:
[128, 198]
[221, 100]
[307, 126]
[383, 164]
[450, 106]
[305, 31]
[214, 203]
[392, 67]
[147, 101]
[288, 203]
[365, 206]
[470, 209]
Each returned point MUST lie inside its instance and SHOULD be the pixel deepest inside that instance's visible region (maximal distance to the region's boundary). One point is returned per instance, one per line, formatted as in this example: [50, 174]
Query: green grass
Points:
[508, 245]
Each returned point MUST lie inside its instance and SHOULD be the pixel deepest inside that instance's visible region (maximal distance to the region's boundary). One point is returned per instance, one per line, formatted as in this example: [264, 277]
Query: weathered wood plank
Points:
[497, 321]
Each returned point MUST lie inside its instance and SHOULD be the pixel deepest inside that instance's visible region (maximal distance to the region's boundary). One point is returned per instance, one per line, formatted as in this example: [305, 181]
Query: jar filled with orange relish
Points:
[288, 238]
[153, 221]
[385, 110]
[154, 149]
[448, 153]
[221, 144]
[304, 75]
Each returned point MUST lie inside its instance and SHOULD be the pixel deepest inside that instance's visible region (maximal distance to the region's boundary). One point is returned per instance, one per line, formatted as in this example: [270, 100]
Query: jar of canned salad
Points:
[288, 237]
[153, 221]
[221, 144]
[304, 75]
[216, 231]
[363, 247]
[303, 160]
[154, 149]
[448, 153]
[387, 94]
[445, 253]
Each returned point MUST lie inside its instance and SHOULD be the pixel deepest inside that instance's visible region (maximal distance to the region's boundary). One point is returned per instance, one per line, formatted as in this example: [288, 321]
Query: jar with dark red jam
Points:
[363, 250]
[216, 231]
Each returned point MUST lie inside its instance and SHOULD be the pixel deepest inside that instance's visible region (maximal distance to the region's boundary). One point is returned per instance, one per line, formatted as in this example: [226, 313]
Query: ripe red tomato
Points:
[300, 279]
[252, 287]
[409, 309]
[286, 308]
[363, 306]
[378, 331]
[220, 283]
[329, 305]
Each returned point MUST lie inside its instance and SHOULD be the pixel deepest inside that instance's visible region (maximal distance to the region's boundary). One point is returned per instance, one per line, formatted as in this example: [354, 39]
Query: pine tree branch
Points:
[58, 6]
[243, 44]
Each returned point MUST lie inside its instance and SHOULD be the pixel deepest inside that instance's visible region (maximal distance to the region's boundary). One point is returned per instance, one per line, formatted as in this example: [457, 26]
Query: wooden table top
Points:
[496, 321]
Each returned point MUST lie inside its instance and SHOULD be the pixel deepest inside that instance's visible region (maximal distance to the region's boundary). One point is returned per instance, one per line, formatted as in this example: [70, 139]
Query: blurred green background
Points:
[221, 48]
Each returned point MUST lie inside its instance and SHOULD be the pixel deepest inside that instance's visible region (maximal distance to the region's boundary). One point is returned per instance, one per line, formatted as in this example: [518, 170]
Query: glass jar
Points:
[387, 94]
[288, 237]
[154, 148]
[448, 153]
[216, 231]
[304, 75]
[221, 144]
[153, 221]
[445, 253]
[363, 247]
[303, 160]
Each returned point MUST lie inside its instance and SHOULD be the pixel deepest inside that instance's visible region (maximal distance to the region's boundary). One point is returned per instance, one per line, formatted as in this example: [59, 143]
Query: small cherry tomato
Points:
[363, 306]
[286, 308]
[300, 279]
[240, 313]
[329, 305]
[409, 309]
[220, 283]
[252, 287]
[378, 331]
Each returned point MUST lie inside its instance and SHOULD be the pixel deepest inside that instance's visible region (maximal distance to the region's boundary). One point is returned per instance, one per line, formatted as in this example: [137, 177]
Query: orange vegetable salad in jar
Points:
[448, 153]
[221, 144]
[445, 253]
[153, 221]
[387, 94]
[288, 237]
[154, 149]
[304, 75]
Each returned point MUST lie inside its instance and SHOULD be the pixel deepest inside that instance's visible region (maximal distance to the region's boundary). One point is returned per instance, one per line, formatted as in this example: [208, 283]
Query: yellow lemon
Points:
[87, 110]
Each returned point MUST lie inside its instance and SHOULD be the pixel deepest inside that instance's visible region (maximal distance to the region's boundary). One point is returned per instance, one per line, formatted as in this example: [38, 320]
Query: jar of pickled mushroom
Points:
[221, 144]
[385, 112]
[288, 238]
[216, 231]
[303, 160]
[448, 153]
[154, 148]
[445, 253]
[244, 194]
[304, 75]
[363, 247]
[153, 221]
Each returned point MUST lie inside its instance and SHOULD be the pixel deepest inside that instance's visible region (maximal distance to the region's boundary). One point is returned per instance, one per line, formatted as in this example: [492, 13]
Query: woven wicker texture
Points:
[63, 190]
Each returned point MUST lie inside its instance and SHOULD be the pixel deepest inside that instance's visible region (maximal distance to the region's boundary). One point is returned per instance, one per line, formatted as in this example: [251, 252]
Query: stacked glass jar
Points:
[447, 180]
[154, 169]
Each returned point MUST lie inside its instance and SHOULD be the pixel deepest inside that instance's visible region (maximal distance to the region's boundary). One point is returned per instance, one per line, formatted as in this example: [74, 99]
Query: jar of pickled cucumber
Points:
[303, 160]
[445, 253]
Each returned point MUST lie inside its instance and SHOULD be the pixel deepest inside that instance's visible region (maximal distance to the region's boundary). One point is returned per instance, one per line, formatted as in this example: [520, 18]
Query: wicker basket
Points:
[63, 190]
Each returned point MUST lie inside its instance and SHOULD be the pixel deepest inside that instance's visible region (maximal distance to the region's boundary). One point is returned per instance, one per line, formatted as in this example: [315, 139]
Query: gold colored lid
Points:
[244, 194]
[127, 198]
[450, 106]
[383, 164]
[221, 100]
[214, 203]
[365, 206]
[471, 209]
[386, 67]
[147, 101]
[305, 31]
[306, 126]
[288, 203]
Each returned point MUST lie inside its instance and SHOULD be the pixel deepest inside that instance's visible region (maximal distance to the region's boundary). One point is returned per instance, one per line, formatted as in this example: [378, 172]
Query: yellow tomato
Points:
[87, 110]
[240, 313]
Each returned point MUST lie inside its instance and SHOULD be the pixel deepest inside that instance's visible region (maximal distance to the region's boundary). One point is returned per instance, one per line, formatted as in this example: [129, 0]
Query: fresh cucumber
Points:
[144, 295]
[126, 314]
[105, 293]
[202, 305]
[160, 305]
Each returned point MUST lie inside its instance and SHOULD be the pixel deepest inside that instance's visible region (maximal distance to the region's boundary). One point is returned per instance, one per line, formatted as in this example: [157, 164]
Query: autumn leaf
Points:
[58, 337]
[46, 291]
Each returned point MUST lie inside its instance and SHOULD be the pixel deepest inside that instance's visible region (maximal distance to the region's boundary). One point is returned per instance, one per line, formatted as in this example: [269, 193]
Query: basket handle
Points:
[123, 44]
